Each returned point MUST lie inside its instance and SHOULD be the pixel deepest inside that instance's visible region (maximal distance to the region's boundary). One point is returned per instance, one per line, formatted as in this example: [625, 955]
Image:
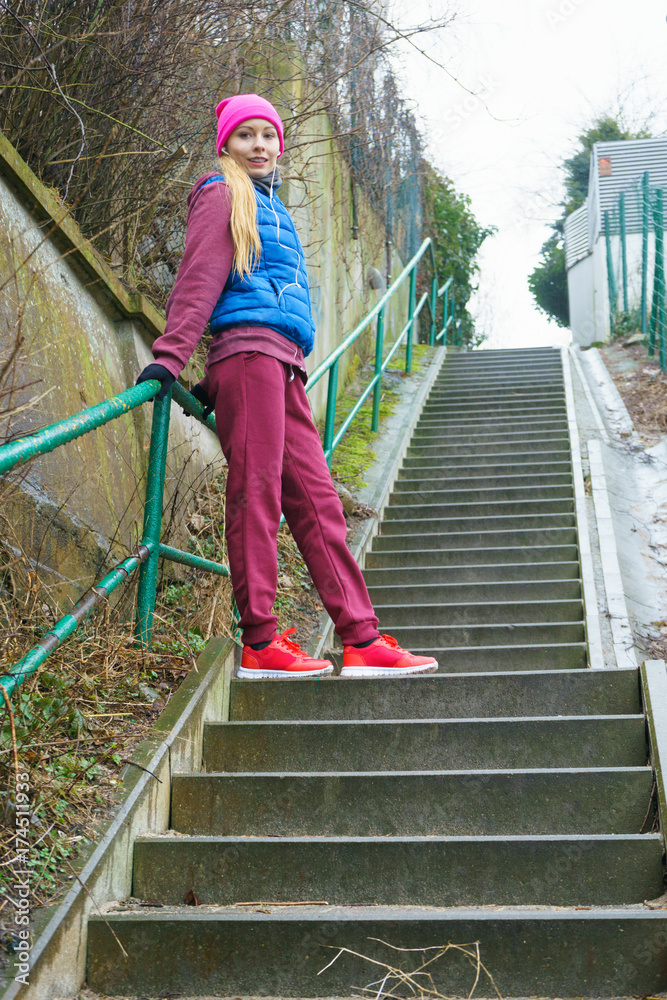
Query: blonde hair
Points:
[245, 234]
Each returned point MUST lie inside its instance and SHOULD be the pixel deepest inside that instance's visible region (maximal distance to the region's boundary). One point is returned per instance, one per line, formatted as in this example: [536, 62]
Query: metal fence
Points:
[624, 308]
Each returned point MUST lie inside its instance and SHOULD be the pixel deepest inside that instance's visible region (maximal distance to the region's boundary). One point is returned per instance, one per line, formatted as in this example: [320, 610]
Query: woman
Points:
[244, 270]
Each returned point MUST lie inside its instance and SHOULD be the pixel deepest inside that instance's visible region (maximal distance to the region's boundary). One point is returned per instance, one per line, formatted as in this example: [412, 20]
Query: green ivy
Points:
[457, 237]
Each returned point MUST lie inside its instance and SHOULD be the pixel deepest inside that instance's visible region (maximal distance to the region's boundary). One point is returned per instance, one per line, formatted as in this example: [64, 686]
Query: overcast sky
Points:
[542, 70]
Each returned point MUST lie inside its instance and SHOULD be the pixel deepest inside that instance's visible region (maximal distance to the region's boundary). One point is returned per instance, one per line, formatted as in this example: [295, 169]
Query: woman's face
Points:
[255, 146]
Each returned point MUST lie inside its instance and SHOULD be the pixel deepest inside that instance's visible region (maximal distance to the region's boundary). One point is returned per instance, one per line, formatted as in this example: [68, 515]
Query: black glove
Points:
[159, 372]
[202, 396]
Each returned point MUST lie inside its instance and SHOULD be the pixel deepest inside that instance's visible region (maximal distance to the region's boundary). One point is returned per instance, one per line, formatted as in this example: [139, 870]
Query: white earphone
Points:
[296, 273]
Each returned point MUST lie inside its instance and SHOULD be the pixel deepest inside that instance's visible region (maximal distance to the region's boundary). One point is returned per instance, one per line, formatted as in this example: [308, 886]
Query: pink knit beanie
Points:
[234, 110]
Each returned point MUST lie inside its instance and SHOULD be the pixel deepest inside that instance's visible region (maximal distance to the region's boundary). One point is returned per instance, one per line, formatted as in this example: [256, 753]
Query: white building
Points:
[615, 167]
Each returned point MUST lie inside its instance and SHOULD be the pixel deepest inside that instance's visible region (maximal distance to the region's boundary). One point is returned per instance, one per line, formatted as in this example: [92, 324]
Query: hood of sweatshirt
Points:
[263, 183]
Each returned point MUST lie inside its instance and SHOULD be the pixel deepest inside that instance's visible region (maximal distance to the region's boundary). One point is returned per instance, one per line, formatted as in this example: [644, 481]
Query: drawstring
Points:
[291, 373]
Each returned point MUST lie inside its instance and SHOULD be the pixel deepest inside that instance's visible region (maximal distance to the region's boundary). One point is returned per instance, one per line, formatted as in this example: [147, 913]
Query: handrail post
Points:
[624, 250]
[411, 319]
[645, 229]
[611, 279]
[659, 278]
[330, 420]
[445, 315]
[157, 461]
[377, 391]
[434, 309]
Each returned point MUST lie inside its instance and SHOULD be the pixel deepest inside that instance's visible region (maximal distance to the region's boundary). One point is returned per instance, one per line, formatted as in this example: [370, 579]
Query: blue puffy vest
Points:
[276, 293]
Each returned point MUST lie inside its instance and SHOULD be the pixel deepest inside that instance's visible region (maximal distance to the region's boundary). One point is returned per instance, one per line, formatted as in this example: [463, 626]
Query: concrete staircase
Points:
[499, 801]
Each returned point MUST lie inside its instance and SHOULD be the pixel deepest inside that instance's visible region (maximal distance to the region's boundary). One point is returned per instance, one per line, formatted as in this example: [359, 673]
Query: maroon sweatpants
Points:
[276, 462]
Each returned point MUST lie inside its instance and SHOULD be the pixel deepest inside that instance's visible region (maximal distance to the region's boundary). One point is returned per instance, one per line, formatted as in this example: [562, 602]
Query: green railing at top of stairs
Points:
[151, 549]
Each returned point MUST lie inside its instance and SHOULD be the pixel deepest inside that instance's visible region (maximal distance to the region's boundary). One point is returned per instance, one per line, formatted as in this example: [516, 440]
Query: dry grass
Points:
[642, 386]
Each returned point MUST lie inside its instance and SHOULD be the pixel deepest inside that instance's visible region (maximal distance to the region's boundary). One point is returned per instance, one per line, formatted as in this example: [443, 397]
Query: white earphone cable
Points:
[296, 272]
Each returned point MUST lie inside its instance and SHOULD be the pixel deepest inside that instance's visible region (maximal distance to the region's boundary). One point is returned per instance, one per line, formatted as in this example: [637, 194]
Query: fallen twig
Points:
[419, 982]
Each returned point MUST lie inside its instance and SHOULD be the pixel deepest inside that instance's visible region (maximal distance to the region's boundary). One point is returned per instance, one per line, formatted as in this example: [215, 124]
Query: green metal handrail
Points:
[150, 549]
[377, 313]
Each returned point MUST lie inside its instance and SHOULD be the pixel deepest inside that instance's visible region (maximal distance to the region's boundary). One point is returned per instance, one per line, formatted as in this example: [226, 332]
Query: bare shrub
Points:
[112, 105]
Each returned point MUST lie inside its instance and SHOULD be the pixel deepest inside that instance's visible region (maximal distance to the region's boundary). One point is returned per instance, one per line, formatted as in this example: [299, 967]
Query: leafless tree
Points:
[111, 104]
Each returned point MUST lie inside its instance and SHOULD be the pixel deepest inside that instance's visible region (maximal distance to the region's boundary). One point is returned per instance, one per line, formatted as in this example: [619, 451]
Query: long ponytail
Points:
[247, 246]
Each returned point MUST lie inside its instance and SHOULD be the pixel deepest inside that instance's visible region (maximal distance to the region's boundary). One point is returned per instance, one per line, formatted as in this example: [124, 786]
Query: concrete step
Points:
[502, 373]
[526, 656]
[444, 524]
[503, 357]
[429, 696]
[504, 410]
[473, 402]
[464, 613]
[503, 387]
[526, 460]
[494, 496]
[409, 803]
[488, 540]
[436, 479]
[238, 951]
[503, 370]
[477, 416]
[471, 634]
[575, 870]
[502, 418]
[421, 594]
[462, 430]
[434, 745]
[502, 365]
[487, 421]
[484, 420]
[432, 557]
[461, 435]
[555, 443]
[501, 354]
[482, 574]
[500, 390]
[493, 509]
[499, 385]
[497, 361]
[461, 405]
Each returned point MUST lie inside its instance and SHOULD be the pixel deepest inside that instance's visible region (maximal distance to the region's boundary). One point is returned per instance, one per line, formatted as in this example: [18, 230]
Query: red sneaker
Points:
[384, 658]
[281, 658]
